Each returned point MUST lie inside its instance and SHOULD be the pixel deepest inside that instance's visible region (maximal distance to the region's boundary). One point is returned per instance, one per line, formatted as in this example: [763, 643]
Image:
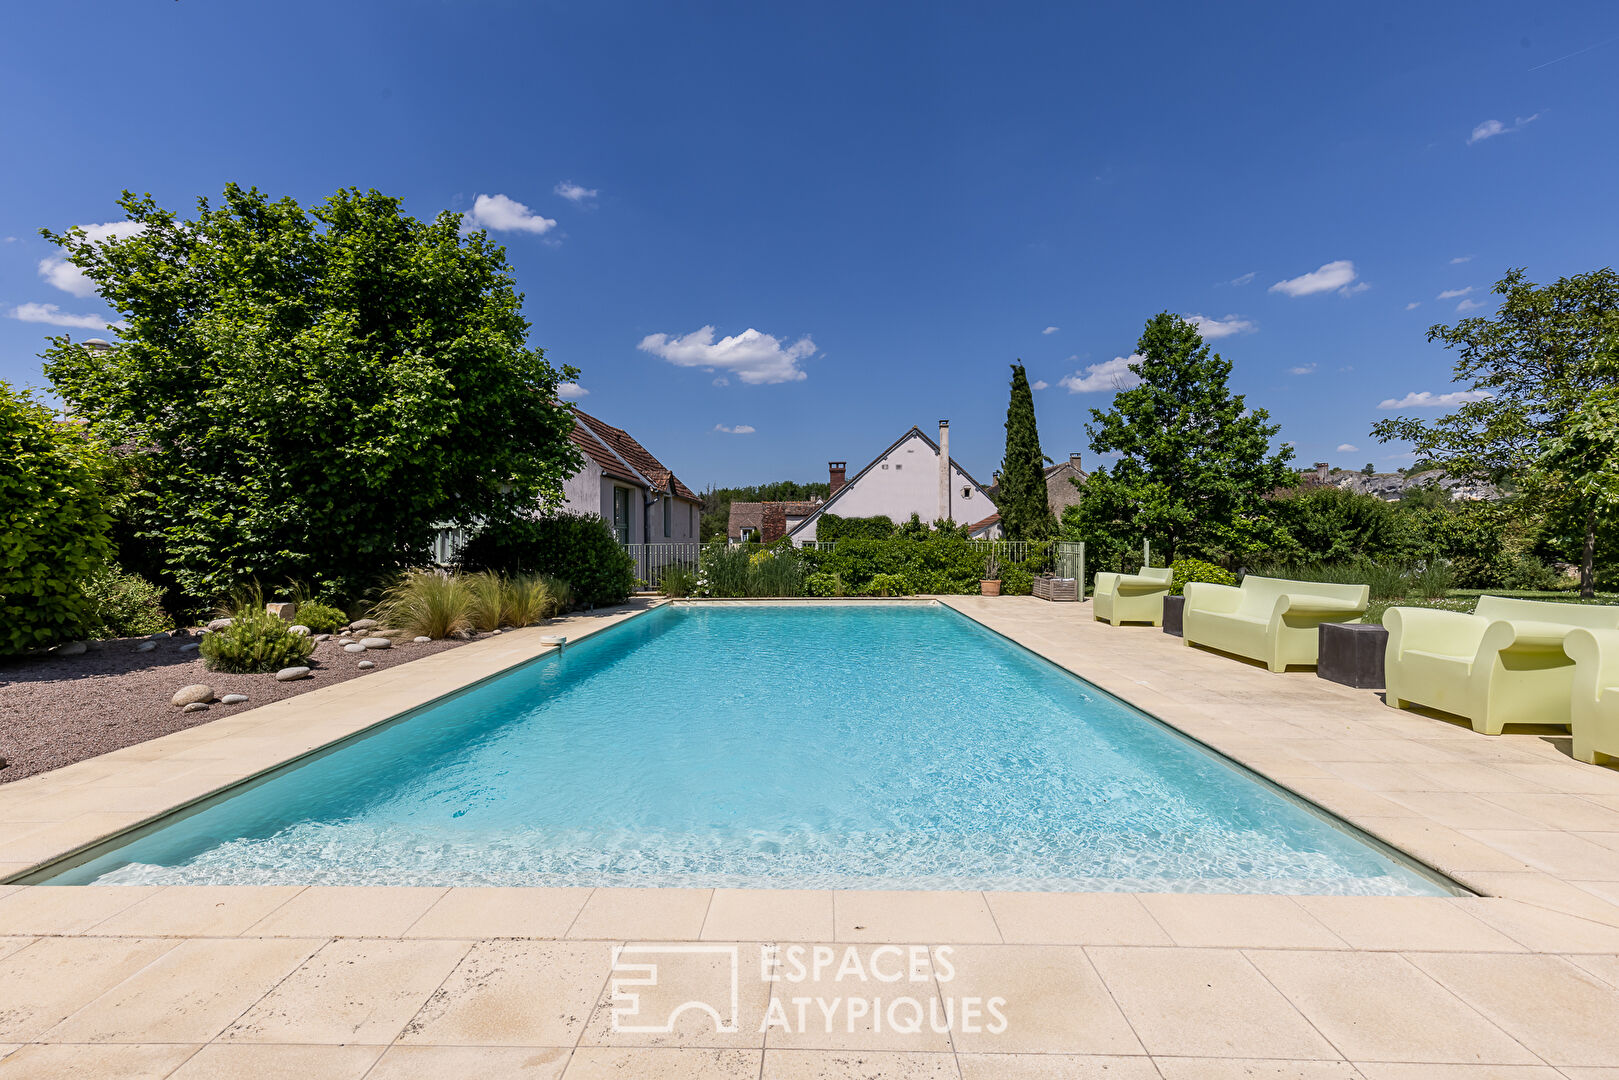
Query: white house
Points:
[636, 493]
[913, 476]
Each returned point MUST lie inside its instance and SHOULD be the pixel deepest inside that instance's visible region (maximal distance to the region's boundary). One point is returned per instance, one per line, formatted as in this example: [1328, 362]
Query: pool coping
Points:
[188, 767]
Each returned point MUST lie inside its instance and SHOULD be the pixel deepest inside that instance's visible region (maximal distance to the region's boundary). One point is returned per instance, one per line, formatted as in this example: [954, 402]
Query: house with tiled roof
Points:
[633, 491]
[767, 522]
[915, 475]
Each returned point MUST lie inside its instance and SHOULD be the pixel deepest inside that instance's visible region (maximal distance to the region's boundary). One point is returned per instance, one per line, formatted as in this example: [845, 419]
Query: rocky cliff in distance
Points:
[1390, 486]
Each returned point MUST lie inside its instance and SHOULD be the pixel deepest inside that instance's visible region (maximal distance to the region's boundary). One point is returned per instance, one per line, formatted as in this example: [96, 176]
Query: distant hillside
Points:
[1392, 486]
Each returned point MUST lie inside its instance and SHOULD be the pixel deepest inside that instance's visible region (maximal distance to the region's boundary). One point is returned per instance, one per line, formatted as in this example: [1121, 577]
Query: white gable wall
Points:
[903, 482]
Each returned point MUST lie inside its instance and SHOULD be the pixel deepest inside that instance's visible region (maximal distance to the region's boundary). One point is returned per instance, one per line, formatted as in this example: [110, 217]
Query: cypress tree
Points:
[1025, 510]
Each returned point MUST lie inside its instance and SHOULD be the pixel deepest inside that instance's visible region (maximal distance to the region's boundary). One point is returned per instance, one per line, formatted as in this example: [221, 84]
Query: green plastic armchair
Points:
[1594, 701]
[1119, 598]
[1269, 619]
[1503, 664]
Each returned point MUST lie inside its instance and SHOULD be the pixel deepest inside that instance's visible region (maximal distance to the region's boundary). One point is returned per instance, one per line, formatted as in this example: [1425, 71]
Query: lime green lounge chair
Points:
[1503, 664]
[1594, 704]
[1132, 597]
[1269, 619]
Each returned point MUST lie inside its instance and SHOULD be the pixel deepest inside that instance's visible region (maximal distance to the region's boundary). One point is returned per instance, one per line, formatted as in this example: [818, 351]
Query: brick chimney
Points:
[836, 470]
[944, 471]
[773, 522]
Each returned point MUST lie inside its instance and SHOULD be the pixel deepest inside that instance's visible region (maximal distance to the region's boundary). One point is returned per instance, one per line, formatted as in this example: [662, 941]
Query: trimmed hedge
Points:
[578, 548]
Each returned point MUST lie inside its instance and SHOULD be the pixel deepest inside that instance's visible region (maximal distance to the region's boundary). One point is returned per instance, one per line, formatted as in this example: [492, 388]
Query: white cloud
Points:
[1458, 260]
[571, 391]
[1451, 294]
[1491, 128]
[1213, 329]
[69, 278]
[1303, 369]
[1347, 448]
[1338, 275]
[740, 429]
[51, 315]
[575, 193]
[753, 357]
[503, 214]
[1050, 330]
[1114, 374]
[1413, 305]
[1424, 399]
[1469, 305]
[1039, 384]
[1244, 279]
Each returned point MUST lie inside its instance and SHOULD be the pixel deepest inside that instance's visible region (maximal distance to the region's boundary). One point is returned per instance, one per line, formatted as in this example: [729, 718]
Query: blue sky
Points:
[817, 224]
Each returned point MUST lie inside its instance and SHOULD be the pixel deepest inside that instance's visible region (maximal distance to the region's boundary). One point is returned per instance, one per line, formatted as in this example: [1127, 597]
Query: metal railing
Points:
[653, 560]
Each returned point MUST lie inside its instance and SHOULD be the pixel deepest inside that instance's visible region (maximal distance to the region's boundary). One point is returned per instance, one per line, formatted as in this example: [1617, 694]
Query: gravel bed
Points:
[55, 710]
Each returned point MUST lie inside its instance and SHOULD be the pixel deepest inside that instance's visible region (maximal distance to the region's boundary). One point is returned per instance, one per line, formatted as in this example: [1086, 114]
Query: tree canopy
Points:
[305, 393]
[1021, 496]
[1194, 464]
[1526, 370]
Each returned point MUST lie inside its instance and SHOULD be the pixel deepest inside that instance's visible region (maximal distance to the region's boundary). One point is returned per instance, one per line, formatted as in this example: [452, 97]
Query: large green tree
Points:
[1195, 464]
[307, 392]
[1021, 496]
[53, 524]
[1526, 369]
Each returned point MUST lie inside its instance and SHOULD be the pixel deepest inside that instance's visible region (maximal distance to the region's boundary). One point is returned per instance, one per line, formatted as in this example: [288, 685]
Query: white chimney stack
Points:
[944, 471]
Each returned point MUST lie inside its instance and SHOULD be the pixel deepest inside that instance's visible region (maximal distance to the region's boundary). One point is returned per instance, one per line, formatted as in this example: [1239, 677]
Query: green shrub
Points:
[885, 585]
[321, 618]
[427, 602]
[1189, 570]
[678, 581]
[1016, 580]
[486, 600]
[743, 570]
[124, 605]
[578, 548]
[526, 600]
[1529, 574]
[253, 643]
[53, 525]
[831, 528]
[824, 584]
[1434, 579]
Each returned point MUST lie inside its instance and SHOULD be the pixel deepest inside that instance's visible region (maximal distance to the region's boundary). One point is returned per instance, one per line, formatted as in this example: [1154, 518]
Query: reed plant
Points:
[486, 594]
[427, 603]
[529, 598]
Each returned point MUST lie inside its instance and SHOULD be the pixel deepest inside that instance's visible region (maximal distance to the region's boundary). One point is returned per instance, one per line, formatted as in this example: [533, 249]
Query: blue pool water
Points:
[838, 746]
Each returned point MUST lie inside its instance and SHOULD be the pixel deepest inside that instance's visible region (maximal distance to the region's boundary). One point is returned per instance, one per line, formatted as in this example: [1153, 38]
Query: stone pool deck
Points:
[1520, 982]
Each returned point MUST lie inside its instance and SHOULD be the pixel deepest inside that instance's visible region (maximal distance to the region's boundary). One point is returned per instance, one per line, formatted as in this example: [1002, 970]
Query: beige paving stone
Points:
[1031, 918]
[1564, 1014]
[927, 918]
[515, 993]
[856, 997]
[493, 912]
[1384, 1070]
[66, 909]
[1459, 810]
[189, 994]
[64, 837]
[1585, 899]
[1542, 929]
[1055, 1067]
[1563, 854]
[1347, 799]
[1205, 1003]
[769, 915]
[642, 915]
[225, 1061]
[690, 996]
[1604, 966]
[1377, 1007]
[347, 911]
[1225, 921]
[1557, 811]
[856, 1065]
[456, 1062]
[354, 990]
[1405, 922]
[198, 911]
[1557, 776]
[54, 977]
[1253, 1069]
[1450, 851]
[130, 1062]
[1051, 1001]
[13, 944]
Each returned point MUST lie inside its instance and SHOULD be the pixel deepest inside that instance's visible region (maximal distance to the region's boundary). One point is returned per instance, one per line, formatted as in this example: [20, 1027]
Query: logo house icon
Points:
[654, 985]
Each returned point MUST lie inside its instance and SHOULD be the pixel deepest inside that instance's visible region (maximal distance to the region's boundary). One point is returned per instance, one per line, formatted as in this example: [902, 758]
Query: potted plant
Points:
[991, 583]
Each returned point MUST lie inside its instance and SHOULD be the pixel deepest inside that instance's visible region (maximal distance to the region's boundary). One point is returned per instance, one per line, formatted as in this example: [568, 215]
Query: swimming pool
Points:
[811, 746]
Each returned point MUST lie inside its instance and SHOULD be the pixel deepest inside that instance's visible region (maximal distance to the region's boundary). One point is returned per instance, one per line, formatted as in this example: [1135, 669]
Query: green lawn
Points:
[1464, 600]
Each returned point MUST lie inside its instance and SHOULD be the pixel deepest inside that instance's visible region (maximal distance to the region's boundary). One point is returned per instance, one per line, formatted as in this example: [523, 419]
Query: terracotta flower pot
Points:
[990, 588]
